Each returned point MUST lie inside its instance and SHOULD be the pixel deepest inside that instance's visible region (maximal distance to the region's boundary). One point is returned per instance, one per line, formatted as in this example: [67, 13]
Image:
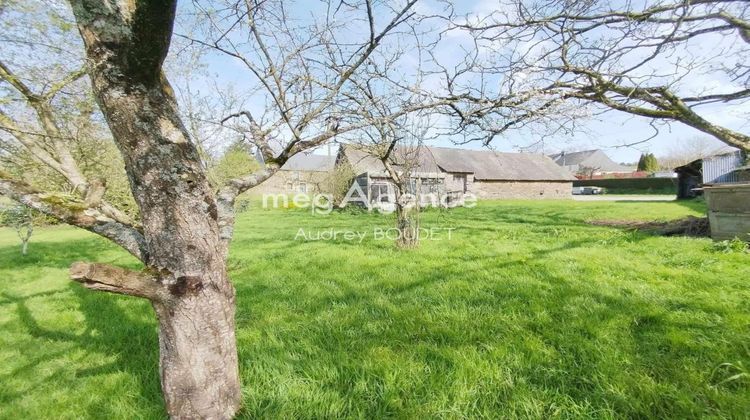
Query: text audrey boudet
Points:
[429, 234]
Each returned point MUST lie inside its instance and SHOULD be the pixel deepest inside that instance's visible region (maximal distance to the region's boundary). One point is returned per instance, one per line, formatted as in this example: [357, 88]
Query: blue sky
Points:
[608, 131]
[612, 130]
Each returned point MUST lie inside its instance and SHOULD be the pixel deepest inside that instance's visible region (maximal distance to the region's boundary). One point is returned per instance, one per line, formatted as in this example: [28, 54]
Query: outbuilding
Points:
[450, 172]
[725, 168]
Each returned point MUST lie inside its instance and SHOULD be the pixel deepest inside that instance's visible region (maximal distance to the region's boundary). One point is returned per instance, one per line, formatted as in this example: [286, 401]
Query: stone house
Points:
[371, 176]
[490, 174]
[451, 172]
[302, 173]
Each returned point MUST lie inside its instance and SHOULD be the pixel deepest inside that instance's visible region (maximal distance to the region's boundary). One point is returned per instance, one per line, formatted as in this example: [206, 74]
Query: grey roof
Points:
[484, 164]
[364, 162]
[496, 166]
[360, 160]
[572, 158]
[310, 163]
[590, 159]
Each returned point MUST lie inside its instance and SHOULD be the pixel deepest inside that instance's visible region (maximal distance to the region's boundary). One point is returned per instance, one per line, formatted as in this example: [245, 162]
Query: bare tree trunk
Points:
[408, 227]
[186, 279]
[407, 205]
[197, 346]
[407, 223]
[198, 353]
[198, 356]
[24, 246]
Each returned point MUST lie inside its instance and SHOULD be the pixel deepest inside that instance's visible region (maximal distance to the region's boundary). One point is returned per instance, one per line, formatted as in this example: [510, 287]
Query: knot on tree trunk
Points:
[186, 285]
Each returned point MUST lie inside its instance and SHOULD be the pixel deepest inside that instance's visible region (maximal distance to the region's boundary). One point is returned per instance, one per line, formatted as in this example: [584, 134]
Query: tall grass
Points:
[526, 311]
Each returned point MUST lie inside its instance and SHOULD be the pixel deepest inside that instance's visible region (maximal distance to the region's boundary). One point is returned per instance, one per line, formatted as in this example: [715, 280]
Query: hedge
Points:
[631, 184]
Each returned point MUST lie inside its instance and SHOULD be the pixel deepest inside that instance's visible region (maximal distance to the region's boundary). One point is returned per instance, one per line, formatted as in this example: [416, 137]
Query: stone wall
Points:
[293, 182]
[559, 190]
[455, 182]
[522, 190]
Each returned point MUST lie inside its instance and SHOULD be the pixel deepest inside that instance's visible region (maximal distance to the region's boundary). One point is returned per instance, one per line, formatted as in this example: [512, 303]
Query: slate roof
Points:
[310, 163]
[363, 162]
[496, 166]
[590, 159]
[484, 164]
[572, 158]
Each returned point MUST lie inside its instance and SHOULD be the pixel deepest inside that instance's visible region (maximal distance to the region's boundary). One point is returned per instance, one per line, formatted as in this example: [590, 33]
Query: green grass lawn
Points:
[526, 312]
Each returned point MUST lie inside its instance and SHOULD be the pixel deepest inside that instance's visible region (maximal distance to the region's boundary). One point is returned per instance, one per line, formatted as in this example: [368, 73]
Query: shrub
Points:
[731, 246]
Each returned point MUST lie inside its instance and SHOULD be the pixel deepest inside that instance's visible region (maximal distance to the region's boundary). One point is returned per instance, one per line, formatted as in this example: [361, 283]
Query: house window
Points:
[302, 187]
[289, 186]
[411, 188]
[379, 193]
[431, 185]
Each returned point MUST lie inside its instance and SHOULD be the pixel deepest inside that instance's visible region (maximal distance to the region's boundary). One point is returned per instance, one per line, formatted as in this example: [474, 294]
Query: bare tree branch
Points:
[640, 58]
[65, 164]
[309, 75]
[76, 213]
[107, 278]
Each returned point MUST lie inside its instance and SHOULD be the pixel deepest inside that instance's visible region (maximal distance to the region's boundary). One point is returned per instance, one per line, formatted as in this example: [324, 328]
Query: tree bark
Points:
[407, 220]
[407, 212]
[186, 278]
[198, 354]
[198, 357]
[24, 233]
[407, 223]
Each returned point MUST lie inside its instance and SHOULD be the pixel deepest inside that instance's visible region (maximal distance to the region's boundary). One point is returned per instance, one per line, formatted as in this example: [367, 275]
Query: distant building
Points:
[302, 173]
[491, 174]
[450, 171]
[589, 163]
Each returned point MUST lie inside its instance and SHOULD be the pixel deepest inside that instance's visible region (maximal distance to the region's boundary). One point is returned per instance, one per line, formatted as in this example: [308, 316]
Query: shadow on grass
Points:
[109, 331]
[606, 337]
[53, 254]
[603, 339]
